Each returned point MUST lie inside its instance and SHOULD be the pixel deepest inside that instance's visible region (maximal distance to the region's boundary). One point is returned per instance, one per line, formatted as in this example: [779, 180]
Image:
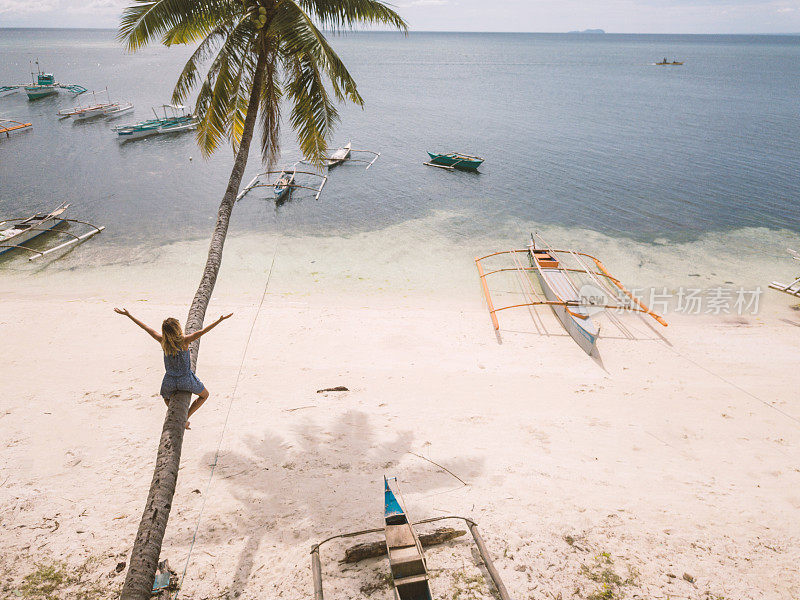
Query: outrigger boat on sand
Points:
[406, 559]
[345, 154]
[285, 183]
[407, 562]
[573, 306]
[793, 289]
[454, 160]
[43, 84]
[25, 229]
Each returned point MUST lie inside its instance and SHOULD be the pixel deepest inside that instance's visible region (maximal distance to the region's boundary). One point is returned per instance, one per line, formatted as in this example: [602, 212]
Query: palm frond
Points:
[344, 14]
[300, 35]
[145, 20]
[313, 114]
[271, 96]
[217, 97]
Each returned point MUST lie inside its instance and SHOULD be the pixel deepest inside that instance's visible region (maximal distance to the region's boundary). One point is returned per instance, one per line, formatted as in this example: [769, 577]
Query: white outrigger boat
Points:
[96, 109]
[571, 304]
[345, 154]
[177, 121]
[25, 229]
[285, 183]
[793, 288]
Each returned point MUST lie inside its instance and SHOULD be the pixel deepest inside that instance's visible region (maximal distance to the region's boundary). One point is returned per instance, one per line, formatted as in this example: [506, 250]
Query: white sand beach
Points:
[668, 469]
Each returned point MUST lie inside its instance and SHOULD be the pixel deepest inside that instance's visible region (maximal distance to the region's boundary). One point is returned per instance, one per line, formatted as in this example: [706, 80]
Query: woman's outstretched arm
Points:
[190, 338]
[153, 333]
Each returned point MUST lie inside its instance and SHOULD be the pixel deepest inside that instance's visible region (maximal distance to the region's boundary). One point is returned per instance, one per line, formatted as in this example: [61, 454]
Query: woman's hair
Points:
[171, 336]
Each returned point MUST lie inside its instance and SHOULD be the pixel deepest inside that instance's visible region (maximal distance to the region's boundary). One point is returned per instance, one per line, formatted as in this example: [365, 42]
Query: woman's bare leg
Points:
[196, 404]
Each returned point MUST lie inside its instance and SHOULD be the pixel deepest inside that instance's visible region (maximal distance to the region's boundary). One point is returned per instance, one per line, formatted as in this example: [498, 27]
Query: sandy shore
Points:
[672, 462]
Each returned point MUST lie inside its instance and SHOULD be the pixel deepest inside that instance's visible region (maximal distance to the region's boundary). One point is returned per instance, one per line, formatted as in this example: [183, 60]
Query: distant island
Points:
[588, 31]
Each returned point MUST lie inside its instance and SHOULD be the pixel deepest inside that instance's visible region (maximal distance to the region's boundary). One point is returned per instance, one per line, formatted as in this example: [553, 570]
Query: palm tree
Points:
[264, 54]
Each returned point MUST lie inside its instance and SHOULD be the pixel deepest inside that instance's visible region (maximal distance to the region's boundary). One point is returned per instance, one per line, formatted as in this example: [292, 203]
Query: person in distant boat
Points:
[179, 375]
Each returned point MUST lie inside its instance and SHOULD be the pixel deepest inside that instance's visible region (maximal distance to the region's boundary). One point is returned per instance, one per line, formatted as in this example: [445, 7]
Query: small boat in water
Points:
[9, 125]
[285, 183]
[345, 154]
[454, 160]
[406, 559]
[665, 63]
[31, 227]
[793, 288]
[23, 230]
[175, 120]
[42, 85]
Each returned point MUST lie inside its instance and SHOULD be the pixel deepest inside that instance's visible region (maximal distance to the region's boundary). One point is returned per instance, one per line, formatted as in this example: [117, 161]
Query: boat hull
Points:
[28, 235]
[466, 164]
[557, 287]
[35, 92]
[339, 156]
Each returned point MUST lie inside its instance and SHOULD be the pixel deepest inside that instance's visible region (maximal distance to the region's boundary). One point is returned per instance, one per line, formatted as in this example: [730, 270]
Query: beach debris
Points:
[165, 579]
[366, 550]
[689, 578]
[440, 466]
[120, 566]
[338, 388]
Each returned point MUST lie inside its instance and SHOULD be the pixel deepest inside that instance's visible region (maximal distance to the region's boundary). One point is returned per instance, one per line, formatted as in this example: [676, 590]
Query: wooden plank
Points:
[405, 562]
[366, 550]
[399, 536]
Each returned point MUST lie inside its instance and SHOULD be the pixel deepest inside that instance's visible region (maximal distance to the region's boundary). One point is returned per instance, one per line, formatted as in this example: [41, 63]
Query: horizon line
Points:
[588, 33]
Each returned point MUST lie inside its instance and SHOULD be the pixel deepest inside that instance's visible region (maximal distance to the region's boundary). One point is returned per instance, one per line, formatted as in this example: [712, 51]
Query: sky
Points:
[614, 16]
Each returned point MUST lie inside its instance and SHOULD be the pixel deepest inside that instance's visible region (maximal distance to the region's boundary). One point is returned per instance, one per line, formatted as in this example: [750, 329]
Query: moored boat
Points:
[454, 160]
[9, 125]
[284, 184]
[406, 559]
[42, 85]
[24, 230]
[793, 288]
[118, 110]
[573, 306]
[567, 304]
[177, 121]
[20, 231]
[345, 154]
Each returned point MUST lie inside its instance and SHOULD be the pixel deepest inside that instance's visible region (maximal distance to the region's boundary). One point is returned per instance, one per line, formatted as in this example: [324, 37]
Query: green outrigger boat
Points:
[454, 160]
[43, 84]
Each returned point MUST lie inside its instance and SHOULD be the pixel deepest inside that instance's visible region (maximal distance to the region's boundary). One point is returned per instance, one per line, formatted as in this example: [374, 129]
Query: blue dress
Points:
[179, 375]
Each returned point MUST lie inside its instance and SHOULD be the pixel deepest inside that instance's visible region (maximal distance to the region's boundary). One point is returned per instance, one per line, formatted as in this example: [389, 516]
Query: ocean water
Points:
[581, 134]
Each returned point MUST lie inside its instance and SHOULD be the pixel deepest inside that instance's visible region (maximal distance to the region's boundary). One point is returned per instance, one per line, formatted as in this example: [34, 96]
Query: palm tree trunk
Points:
[147, 546]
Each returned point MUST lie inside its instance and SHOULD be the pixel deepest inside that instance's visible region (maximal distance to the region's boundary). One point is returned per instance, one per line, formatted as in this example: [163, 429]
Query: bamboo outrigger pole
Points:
[642, 308]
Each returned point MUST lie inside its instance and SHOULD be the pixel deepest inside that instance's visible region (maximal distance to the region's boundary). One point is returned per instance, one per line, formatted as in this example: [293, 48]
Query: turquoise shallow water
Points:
[578, 132]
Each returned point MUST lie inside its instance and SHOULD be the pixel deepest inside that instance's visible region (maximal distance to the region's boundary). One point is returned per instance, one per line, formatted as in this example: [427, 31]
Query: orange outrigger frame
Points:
[603, 273]
[10, 128]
